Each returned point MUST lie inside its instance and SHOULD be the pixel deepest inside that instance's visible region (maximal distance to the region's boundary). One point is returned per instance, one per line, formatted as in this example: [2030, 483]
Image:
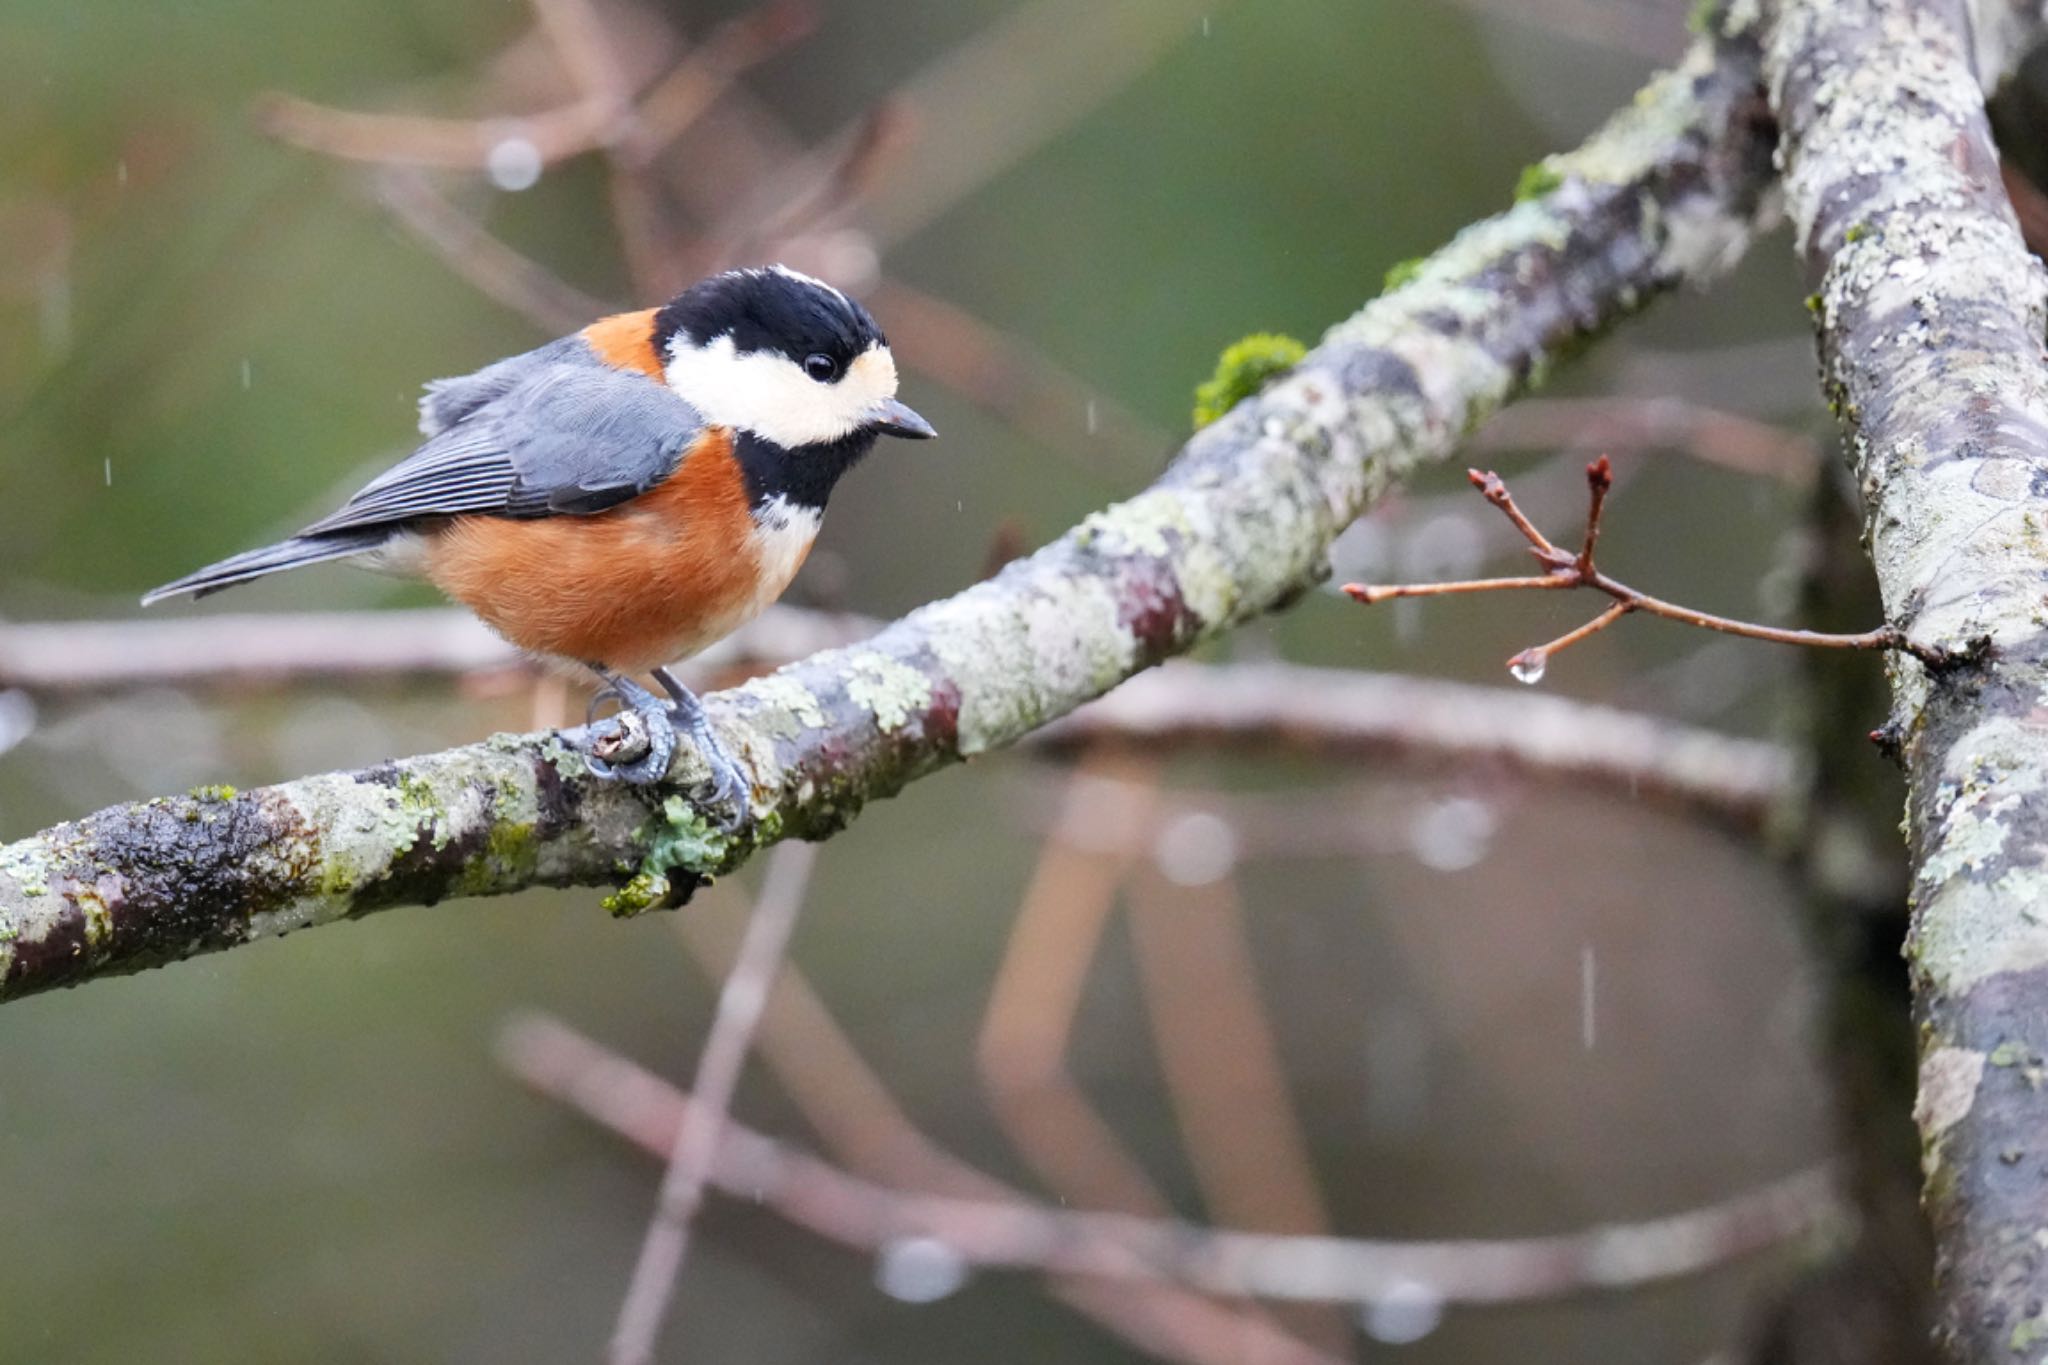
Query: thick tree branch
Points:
[1931, 317]
[1238, 525]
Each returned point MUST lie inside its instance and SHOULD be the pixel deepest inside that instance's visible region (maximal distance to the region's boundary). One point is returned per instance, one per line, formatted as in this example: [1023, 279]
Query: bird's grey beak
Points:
[892, 418]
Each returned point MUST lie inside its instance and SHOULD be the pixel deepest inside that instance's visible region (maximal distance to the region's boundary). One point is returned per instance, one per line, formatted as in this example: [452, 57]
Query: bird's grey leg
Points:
[727, 782]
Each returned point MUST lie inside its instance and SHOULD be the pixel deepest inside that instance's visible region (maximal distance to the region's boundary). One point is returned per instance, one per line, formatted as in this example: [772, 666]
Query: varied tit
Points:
[626, 495]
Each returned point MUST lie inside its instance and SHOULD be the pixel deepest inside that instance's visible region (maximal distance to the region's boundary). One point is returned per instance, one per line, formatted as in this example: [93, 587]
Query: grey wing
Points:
[448, 401]
[586, 438]
[567, 438]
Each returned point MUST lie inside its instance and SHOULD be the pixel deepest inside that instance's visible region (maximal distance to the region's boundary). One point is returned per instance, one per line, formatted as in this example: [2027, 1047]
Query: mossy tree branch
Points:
[1931, 317]
[1666, 193]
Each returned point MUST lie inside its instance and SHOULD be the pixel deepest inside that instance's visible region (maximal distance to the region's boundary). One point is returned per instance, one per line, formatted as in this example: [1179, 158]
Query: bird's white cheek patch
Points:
[767, 394]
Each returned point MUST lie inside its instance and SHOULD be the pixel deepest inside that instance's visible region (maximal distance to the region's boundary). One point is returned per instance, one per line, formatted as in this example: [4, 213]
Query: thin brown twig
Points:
[1221, 1058]
[645, 1109]
[577, 34]
[496, 270]
[822, 187]
[855, 1114]
[697, 1137]
[605, 116]
[279, 647]
[1035, 997]
[1007, 377]
[1564, 569]
[708, 71]
[426, 140]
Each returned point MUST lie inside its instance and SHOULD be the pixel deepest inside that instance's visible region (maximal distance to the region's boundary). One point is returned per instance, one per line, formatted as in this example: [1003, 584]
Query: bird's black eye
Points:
[821, 367]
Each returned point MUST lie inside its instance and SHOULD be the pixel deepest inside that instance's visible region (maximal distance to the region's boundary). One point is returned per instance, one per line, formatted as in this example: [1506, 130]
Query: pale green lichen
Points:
[1148, 524]
[1947, 1091]
[1023, 655]
[678, 838]
[93, 910]
[892, 691]
[2029, 1332]
[787, 707]
[28, 863]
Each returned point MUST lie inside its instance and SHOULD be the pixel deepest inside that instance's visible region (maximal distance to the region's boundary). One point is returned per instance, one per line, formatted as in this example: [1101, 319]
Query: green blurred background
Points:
[303, 1150]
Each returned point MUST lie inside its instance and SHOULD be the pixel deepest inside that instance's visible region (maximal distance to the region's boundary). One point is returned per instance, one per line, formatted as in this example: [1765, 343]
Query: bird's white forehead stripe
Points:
[812, 280]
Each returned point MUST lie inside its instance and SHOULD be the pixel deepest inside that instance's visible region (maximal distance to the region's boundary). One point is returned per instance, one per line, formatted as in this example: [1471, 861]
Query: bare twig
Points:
[853, 1111]
[1569, 569]
[1221, 1058]
[697, 1137]
[423, 140]
[605, 116]
[742, 42]
[648, 1111]
[496, 270]
[820, 189]
[1015, 382]
[281, 647]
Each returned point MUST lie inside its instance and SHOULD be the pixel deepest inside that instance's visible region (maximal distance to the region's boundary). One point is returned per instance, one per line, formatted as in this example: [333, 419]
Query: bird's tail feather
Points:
[289, 554]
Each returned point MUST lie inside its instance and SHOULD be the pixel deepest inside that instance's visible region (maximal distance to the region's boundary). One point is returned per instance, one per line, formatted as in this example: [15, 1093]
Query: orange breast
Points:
[646, 583]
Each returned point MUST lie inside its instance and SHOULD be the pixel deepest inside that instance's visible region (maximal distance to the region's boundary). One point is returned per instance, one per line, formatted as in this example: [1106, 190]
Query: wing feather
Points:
[571, 439]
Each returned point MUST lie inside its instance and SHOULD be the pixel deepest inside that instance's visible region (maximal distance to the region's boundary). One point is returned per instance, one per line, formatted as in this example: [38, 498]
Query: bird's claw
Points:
[647, 727]
[728, 787]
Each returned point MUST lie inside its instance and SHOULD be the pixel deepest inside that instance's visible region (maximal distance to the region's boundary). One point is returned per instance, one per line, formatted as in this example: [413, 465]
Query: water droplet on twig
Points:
[1452, 835]
[1196, 849]
[1529, 666]
[514, 164]
[1409, 1311]
[919, 1270]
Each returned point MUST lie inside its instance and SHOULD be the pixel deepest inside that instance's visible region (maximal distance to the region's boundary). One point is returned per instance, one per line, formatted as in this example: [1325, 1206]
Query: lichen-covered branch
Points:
[1238, 525]
[1931, 315]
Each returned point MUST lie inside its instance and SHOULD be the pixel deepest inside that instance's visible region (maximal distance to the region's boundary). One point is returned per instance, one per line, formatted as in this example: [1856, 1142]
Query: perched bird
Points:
[630, 493]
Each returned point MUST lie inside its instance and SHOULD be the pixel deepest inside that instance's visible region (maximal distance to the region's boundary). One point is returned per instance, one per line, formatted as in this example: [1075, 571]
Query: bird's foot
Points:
[659, 722]
[644, 728]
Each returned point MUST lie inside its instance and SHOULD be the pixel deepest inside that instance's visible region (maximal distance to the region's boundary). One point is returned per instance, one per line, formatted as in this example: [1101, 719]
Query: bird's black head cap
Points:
[769, 309]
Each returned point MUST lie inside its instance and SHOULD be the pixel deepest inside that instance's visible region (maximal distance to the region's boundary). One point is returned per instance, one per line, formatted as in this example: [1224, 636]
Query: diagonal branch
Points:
[698, 1136]
[1931, 314]
[1239, 525]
